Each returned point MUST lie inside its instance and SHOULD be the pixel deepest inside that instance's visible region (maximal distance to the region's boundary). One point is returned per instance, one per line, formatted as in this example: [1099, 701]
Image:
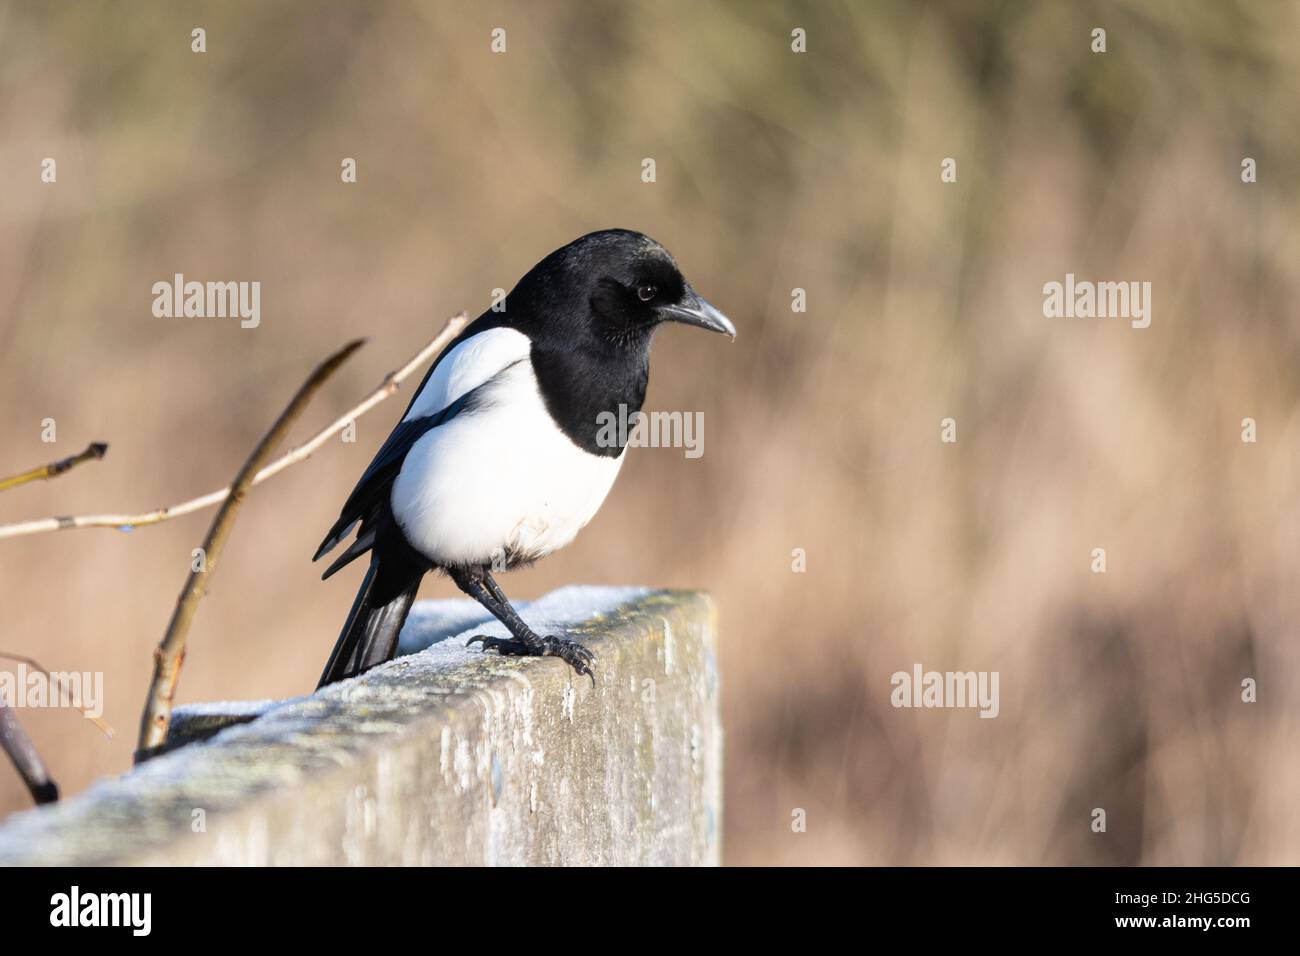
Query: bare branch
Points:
[33, 663]
[94, 451]
[304, 451]
[170, 654]
[21, 750]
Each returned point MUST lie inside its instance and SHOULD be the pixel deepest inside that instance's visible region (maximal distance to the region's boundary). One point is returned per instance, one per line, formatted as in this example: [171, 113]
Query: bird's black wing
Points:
[371, 493]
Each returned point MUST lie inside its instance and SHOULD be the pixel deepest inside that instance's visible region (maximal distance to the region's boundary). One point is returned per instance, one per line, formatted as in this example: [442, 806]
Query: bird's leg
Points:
[524, 642]
[494, 589]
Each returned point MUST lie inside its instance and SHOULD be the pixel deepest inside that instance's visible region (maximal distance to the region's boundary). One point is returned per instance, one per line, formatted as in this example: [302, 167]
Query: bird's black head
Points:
[616, 286]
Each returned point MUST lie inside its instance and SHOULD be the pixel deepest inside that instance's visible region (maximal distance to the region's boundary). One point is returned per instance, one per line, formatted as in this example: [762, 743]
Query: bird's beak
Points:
[697, 311]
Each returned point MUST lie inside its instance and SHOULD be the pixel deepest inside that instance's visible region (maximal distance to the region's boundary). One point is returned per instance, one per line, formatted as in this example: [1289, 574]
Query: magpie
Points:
[501, 456]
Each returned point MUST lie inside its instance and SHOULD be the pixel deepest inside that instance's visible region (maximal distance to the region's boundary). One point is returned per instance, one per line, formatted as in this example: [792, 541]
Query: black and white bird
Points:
[501, 457]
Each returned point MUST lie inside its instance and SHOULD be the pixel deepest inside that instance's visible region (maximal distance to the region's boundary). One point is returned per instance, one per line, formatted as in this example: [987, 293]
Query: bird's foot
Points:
[571, 652]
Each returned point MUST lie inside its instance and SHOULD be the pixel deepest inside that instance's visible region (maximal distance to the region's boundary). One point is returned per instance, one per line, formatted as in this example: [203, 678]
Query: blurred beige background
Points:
[775, 171]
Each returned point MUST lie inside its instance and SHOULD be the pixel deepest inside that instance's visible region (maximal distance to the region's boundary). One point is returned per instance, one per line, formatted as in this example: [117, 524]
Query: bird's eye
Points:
[646, 292]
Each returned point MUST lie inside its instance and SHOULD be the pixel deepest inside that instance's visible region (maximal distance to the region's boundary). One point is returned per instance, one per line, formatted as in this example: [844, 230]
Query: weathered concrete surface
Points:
[446, 756]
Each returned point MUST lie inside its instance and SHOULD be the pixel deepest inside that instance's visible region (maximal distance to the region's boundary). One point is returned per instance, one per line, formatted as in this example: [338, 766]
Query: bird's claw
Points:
[571, 652]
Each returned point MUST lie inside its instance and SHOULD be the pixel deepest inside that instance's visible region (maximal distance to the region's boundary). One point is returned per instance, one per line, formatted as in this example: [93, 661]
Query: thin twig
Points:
[94, 451]
[21, 750]
[304, 451]
[170, 654]
[36, 665]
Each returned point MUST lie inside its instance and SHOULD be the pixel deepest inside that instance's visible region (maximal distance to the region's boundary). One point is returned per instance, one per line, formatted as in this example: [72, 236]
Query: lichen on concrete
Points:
[446, 755]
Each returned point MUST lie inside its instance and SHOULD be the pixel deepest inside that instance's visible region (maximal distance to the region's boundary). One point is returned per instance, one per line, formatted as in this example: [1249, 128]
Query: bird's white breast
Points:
[501, 479]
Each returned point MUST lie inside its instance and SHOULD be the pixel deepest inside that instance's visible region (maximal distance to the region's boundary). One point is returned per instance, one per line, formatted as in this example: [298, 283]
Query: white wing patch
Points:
[468, 366]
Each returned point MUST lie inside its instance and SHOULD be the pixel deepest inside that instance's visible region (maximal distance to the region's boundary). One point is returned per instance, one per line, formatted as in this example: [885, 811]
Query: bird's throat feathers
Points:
[583, 386]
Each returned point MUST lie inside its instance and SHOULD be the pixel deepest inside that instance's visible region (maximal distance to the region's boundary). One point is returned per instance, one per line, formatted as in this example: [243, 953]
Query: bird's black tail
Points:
[370, 635]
